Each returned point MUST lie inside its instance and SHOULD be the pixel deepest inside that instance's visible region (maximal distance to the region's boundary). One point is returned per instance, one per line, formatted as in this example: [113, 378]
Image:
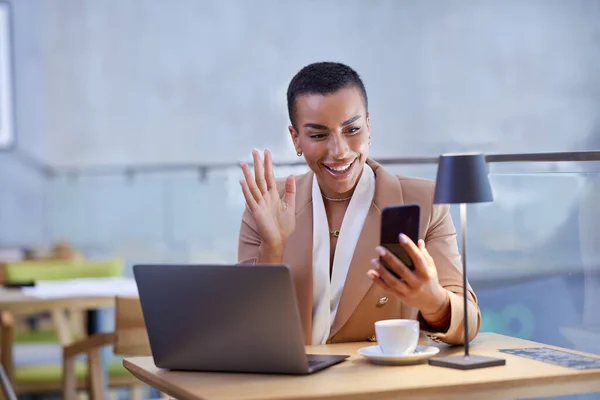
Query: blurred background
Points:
[127, 118]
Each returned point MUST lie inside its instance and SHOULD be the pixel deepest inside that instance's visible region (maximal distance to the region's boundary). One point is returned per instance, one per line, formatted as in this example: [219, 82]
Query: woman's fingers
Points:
[377, 279]
[248, 196]
[251, 183]
[269, 173]
[394, 283]
[289, 197]
[255, 187]
[398, 267]
[259, 172]
[415, 254]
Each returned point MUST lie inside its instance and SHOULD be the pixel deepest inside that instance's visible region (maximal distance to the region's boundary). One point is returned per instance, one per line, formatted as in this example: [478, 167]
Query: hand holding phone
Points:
[394, 221]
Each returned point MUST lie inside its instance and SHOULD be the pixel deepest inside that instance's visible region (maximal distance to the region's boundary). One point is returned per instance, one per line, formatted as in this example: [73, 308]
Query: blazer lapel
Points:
[299, 257]
[388, 191]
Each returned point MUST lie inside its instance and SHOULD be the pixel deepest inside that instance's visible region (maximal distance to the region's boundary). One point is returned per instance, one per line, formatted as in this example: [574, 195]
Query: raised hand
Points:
[274, 214]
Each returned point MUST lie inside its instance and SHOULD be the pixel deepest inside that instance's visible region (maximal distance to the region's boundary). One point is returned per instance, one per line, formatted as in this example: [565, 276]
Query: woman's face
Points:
[333, 133]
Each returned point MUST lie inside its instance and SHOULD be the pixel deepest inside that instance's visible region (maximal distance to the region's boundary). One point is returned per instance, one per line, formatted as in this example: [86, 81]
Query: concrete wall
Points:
[127, 81]
[22, 188]
[22, 204]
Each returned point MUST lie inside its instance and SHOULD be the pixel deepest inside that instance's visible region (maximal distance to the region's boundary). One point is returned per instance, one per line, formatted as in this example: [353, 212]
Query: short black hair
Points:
[322, 78]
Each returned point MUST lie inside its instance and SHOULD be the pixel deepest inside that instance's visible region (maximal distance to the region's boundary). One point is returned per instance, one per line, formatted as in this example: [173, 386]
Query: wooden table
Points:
[358, 378]
[17, 303]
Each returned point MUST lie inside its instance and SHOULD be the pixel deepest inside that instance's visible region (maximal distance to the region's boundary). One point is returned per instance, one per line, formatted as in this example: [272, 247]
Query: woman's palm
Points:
[274, 214]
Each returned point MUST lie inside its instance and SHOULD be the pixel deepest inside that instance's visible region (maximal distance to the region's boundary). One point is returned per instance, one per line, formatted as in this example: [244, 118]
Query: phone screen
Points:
[395, 220]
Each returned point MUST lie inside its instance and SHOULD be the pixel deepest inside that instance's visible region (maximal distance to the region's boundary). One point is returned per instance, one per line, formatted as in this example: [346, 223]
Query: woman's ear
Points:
[295, 139]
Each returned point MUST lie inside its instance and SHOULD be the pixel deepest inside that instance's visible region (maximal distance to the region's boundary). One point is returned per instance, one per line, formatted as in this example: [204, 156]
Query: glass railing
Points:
[534, 257]
[533, 253]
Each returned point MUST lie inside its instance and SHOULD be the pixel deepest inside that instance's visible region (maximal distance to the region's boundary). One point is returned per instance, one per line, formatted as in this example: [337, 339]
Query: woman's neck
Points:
[333, 208]
[329, 195]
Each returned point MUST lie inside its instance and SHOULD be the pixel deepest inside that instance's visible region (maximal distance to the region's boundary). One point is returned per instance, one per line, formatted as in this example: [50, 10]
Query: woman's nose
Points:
[338, 148]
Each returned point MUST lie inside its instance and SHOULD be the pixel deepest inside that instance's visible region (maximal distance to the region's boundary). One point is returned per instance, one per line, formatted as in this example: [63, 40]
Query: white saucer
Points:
[374, 354]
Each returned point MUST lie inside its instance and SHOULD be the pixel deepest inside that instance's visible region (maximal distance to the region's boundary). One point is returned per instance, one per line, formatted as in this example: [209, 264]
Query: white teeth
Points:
[341, 168]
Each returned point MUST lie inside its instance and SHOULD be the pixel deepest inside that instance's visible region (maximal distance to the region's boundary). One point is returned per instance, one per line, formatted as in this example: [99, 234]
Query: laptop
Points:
[225, 318]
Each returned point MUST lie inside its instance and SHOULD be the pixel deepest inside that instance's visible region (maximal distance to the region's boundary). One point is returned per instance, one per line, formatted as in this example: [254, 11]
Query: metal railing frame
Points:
[204, 169]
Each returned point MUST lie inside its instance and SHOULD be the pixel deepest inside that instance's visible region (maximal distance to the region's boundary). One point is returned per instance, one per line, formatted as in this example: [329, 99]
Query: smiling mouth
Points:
[340, 169]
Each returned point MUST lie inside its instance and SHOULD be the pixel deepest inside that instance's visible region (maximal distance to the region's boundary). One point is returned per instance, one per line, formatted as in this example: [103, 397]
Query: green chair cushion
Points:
[36, 336]
[53, 372]
[30, 271]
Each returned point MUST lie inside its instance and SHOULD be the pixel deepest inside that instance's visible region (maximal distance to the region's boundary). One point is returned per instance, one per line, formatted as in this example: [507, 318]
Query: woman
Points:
[325, 224]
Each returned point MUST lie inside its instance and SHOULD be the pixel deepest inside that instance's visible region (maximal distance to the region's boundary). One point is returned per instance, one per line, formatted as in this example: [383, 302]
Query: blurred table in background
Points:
[59, 298]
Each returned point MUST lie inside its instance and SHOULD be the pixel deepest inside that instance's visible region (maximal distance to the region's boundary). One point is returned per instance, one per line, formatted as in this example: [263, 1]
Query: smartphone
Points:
[394, 221]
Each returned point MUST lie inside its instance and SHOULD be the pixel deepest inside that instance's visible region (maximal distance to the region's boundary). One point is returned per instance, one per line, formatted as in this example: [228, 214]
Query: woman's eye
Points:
[353, 130]
[317, 136]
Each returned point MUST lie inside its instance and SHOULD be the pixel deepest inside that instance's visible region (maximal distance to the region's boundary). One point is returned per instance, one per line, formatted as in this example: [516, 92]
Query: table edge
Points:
[499, 387]
[37, 304]
[157, 383]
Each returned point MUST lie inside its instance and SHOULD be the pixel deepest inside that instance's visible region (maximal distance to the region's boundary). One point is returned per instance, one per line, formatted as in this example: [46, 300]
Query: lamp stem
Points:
[463, 228]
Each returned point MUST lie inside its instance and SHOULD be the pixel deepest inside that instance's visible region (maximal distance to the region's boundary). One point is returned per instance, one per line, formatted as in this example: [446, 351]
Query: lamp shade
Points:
[462, 178]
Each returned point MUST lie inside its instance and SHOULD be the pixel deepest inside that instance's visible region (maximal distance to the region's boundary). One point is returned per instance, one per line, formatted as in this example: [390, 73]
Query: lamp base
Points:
[467, 362]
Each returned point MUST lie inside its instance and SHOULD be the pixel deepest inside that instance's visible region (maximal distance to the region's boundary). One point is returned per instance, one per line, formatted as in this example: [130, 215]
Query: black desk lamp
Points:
[462, 179]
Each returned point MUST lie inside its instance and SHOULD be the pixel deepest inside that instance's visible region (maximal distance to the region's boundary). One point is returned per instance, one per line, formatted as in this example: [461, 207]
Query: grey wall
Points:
[127, 81]
[22, 187]
[22, 204]
[118, 82]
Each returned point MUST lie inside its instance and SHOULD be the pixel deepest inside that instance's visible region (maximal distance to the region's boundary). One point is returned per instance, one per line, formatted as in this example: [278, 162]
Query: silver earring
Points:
[299, 154]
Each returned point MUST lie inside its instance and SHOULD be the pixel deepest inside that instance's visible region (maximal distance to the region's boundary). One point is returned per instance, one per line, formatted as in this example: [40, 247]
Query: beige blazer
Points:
[363, 302]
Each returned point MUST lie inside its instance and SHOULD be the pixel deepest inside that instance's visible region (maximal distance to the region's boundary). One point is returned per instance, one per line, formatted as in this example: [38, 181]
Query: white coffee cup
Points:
[397, 336]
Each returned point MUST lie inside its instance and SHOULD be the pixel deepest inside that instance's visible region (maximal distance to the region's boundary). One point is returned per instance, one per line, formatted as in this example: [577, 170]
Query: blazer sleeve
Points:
[441, 244]
[249, 240]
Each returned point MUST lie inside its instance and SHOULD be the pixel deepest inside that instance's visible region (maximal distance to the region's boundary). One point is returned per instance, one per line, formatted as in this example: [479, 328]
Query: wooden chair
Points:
[7, 392]
[6, 388]
[129, 339]
[44, 378]
[30, 379]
